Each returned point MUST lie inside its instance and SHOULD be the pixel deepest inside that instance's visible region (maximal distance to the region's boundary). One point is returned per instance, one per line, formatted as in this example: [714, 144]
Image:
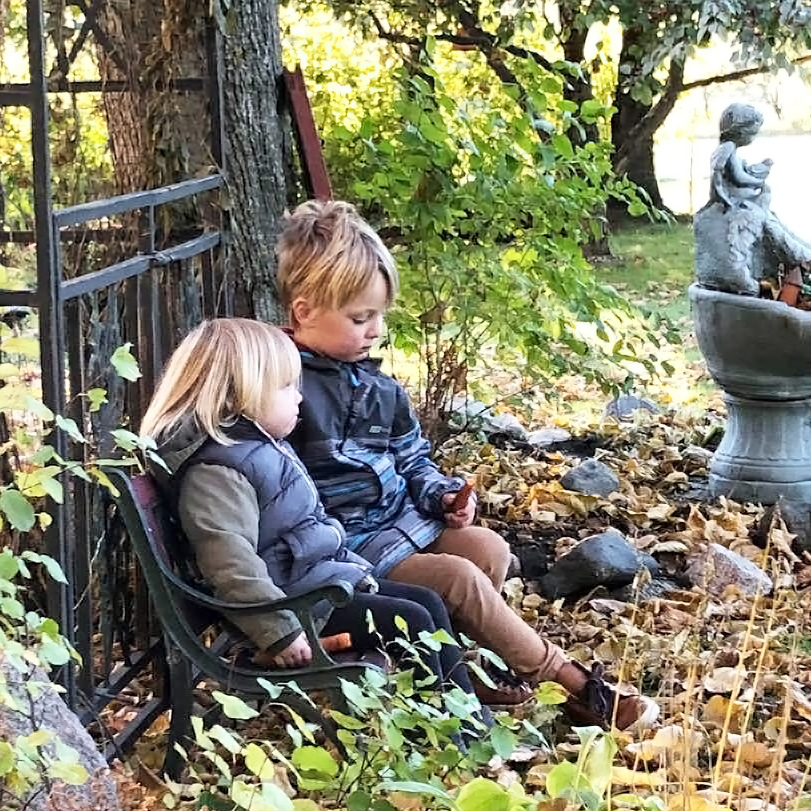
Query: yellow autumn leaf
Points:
[621, 775]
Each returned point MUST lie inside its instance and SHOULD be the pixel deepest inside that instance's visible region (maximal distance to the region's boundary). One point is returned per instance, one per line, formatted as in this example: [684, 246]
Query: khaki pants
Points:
[467, 568]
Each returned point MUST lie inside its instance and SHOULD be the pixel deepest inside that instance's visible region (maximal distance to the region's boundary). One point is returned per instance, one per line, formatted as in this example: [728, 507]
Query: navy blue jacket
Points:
[362, 445]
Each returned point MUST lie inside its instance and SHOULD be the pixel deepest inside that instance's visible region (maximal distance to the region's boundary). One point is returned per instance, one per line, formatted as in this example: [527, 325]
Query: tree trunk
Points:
[150, 44]
[258, 150]
[637, 152]
[161, 136]
[633, 149]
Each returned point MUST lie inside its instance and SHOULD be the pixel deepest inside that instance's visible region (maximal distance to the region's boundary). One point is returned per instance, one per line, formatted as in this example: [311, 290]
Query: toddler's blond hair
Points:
[328, 255]
[223, 369]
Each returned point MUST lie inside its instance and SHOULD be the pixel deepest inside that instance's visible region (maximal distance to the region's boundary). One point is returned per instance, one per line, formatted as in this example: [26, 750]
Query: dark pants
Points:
[421, 608]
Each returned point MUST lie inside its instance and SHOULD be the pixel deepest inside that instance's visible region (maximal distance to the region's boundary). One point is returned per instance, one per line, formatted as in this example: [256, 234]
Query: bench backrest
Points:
[163, 555]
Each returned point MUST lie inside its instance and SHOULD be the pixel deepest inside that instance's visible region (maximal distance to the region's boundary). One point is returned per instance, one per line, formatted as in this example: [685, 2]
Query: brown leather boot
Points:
[601, 704]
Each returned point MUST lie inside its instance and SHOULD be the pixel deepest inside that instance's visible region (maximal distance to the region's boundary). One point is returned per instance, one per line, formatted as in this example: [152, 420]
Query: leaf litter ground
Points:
[731, 673]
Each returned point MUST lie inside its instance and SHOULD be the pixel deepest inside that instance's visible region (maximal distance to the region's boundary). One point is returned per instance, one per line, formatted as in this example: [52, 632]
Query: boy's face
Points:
[346, 333]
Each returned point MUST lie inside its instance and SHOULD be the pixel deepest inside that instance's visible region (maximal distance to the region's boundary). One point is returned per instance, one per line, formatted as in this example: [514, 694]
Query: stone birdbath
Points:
[757, 347]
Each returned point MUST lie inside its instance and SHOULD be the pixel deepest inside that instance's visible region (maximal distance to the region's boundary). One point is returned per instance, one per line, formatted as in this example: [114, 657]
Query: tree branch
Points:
[654, 118]
[487, 45]
[738, 74]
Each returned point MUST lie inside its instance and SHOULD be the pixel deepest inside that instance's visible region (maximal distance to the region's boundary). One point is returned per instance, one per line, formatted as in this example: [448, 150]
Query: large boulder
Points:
[42, 708]
[607, 559]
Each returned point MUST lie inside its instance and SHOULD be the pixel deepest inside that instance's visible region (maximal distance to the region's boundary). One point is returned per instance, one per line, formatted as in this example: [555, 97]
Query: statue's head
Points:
[740, 123]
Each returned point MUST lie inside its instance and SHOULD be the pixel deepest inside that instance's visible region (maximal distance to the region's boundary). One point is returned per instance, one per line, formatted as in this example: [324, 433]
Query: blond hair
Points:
[328, 255]
[223, 369]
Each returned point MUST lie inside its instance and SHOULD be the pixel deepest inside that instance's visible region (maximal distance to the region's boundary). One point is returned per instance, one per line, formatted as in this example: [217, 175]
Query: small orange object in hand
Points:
[462, 497]
[336, 642]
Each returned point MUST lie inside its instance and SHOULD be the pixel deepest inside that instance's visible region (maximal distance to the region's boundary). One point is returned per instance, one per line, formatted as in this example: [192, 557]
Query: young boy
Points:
[362, 445]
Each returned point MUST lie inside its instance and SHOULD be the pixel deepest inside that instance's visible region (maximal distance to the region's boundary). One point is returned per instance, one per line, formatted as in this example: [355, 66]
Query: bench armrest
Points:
[339, 594]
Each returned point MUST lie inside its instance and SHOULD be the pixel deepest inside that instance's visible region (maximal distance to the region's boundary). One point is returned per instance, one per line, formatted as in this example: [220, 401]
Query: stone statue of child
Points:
[733, 181]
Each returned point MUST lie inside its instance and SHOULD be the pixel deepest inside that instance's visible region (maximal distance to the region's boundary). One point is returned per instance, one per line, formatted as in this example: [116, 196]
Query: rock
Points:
[514, 569]
[45, 710]
[658, 587]
[606, 560]
[797, 517]
[592, 478]
[717, 567]
[534, 559]
[544, 437]
[467, 413]
[623, 407]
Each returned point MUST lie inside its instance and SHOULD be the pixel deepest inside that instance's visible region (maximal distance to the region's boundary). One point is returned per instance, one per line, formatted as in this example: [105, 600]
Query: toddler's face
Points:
[349, 332]
[282, 412]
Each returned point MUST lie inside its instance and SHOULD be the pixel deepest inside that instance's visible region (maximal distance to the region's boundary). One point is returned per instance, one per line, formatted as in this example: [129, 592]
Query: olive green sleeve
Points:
[219, 513]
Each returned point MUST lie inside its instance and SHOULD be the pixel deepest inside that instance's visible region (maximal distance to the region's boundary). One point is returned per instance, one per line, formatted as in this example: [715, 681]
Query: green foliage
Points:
[401, 737]
[488, 222]
[29, 642]
[402, 744]
[80, 161]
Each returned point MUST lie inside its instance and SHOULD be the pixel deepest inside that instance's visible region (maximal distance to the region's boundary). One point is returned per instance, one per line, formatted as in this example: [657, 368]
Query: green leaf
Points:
[51, 566]
[52, 652]
[104, 480]
[482, 794]
[74, 774]
[70, 428]
[267, 797]
[124, 363]
[6, 757]
[97, 397]
[234, 707]
[226, 738]
[563, 145]
[415, 787]
[550, 692]
[38, 408]
[18, 345]
[599, 758]
[273, 690]
[562, 778]
[9, 566]
[346, 721]
[503, 740]
[16, 507]
[258, 762]
[316, 759]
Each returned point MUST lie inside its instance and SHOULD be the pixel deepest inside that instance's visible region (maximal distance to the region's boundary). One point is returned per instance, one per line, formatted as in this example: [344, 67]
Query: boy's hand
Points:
[462, 517]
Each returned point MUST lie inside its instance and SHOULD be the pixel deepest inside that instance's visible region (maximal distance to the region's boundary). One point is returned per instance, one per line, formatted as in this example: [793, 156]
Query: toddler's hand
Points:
[462, 517]
[296, 654]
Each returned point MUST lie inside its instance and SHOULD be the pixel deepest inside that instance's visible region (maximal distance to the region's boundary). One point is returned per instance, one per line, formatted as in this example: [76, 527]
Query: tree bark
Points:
[258, 150]
[160, 136]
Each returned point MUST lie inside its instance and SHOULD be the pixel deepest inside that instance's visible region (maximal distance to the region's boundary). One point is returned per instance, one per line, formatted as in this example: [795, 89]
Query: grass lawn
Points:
[654, 263]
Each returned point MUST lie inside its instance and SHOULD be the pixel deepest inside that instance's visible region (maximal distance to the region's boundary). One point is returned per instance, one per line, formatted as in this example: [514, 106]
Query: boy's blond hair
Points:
[328, 255]
[223, 369]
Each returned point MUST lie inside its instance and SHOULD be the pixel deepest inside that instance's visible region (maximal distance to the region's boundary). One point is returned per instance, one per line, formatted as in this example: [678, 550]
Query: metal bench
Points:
[187, 614]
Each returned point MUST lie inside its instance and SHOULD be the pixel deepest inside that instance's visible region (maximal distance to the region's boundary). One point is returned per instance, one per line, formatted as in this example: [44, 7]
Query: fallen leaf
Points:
[628, 777]
[724, 679]
[756, 754]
